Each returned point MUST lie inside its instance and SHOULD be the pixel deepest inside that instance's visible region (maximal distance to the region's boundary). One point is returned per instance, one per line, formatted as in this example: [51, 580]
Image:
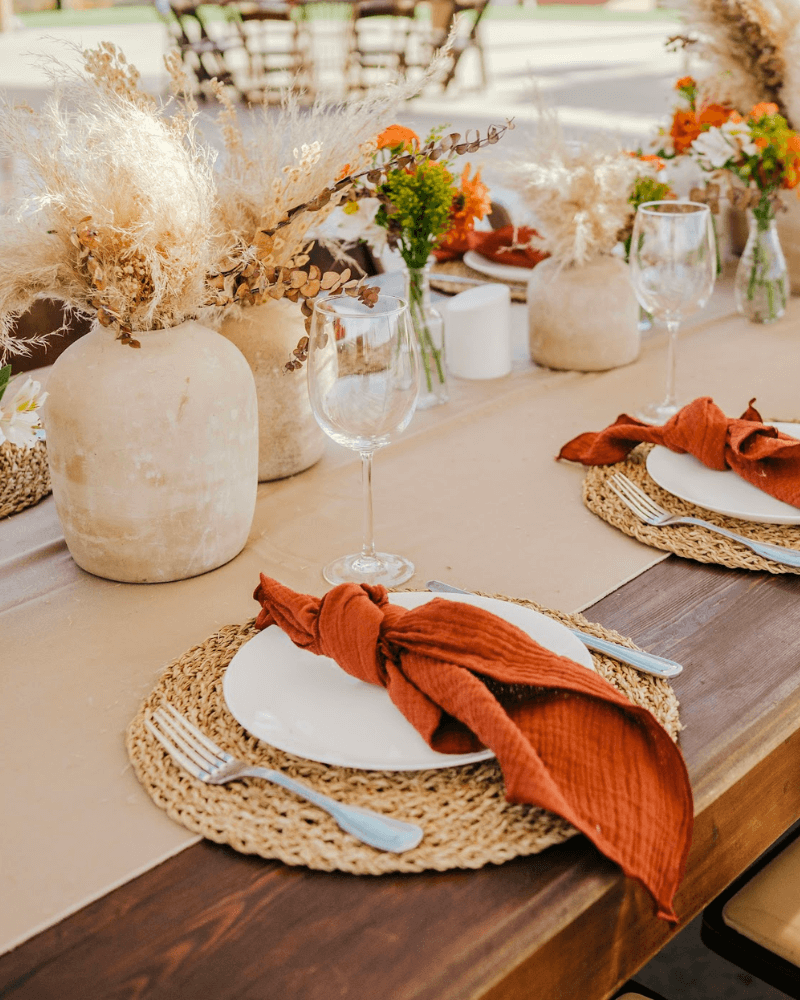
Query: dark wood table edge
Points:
[612, 913]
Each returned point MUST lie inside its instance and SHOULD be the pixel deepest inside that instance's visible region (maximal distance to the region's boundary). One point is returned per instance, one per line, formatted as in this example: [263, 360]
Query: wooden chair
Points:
[755, 923]
[248, 51]
[276, 39]
[373, 49]
[204, 52]
[443, 14]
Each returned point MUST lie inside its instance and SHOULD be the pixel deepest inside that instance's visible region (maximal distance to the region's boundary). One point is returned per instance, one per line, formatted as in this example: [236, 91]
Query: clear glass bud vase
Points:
[762, 282]
[429, 328]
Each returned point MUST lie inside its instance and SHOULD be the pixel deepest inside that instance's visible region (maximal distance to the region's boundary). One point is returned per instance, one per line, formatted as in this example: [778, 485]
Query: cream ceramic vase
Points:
[290, 439]
[583, 318]
[788, 223]
[153, 452]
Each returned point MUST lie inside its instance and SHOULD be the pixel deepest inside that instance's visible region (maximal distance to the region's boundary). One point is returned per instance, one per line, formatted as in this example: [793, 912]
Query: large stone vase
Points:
[290, 439]
[583, 318]
[153, 452]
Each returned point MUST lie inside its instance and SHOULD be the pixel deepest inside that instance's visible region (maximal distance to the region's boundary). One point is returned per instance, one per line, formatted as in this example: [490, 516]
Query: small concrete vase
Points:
[289, 437]
[583, 318]
[153, 452]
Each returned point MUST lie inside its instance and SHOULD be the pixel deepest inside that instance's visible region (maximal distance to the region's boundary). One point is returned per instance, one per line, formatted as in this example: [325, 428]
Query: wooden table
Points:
[561, 925]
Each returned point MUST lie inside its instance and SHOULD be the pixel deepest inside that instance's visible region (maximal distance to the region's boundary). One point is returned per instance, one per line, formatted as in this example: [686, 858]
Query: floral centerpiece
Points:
[750, 158]
[582, 200]
[153, 476]
[419, 206]
[750, 53]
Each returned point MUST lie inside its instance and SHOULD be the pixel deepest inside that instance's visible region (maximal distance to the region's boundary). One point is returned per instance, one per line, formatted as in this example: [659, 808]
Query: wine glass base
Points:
[385, 569]
[657, 413]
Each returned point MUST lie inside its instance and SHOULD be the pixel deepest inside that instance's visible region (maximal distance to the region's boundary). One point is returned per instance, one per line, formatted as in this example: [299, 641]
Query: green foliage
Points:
[5, 377]
[418, 211]
[645, 189]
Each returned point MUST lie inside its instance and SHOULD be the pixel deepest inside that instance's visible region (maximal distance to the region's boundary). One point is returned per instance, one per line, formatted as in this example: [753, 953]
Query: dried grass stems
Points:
[752, 48]
[116, 217]
[578, 194]
[284, 176]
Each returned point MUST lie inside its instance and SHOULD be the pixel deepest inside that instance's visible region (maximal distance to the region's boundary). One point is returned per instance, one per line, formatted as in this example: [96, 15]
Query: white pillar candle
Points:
[478, 332]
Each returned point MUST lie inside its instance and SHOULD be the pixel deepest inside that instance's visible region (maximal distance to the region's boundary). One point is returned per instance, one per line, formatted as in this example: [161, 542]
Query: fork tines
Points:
[635, 498]
[185, 743]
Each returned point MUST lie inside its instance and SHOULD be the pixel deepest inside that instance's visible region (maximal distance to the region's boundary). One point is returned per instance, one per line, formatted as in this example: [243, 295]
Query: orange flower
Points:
[736, 118]
[471, 203]
[793, 143]
[761, 142]
[655, 160]
[685, 129]
[763, 110]
[685, 81]
[714, 115]
[397, 135]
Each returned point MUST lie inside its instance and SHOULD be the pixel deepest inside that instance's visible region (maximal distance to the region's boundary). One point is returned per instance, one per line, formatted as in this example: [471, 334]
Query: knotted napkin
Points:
[495, 245]
[755, 451]
[571, 743]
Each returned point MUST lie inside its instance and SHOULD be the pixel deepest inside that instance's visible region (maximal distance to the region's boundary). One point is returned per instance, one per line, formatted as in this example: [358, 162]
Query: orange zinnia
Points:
[397, 135]
[713, 115]
[685, 129]
[472, 203]
[685, 81]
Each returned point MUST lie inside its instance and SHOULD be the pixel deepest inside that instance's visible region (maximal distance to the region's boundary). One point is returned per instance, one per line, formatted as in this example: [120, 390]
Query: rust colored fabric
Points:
[492, 244]
[576, 746]
[754, 450]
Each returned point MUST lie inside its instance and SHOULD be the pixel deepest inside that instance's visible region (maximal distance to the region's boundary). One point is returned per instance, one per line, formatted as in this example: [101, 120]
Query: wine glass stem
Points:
[368, 546]
[672, 343]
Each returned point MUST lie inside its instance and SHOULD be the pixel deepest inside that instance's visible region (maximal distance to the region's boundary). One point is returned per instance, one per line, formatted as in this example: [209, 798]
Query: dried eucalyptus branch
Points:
[376, 175]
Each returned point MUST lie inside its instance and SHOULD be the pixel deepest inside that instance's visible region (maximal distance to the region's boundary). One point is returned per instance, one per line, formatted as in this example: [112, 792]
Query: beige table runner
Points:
[471, 494]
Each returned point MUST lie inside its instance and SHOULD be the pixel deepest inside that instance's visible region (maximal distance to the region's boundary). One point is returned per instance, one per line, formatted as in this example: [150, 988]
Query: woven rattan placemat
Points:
[463, 811]
[519, 292]
[24, 477]
[689, 541]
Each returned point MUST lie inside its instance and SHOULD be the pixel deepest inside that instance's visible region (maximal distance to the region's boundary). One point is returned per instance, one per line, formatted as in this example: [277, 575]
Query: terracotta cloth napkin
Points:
[755, 451]
[575, 745]
[490, 244]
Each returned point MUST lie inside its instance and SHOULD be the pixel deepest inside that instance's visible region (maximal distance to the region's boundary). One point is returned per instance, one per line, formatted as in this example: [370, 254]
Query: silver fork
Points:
[201, 757]
[647, 510]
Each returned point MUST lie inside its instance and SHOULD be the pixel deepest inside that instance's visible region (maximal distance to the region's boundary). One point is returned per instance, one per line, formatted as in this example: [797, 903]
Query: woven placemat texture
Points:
[24, 477]
[463, 811]
[439, 272]
[688, 541]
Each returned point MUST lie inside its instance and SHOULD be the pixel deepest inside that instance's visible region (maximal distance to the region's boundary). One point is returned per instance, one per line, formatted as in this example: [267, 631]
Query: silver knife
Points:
[648, 662]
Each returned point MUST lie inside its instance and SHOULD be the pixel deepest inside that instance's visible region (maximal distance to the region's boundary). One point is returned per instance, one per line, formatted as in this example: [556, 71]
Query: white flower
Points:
[356, 221]
[740, 133]
[18, 414]
[714, 148]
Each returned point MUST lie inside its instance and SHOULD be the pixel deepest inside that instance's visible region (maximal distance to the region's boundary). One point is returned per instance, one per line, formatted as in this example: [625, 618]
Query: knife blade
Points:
[659, 666]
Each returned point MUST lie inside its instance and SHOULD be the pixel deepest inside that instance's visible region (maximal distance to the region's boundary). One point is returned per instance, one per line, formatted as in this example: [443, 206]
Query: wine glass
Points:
[363, 382]
[673, 264]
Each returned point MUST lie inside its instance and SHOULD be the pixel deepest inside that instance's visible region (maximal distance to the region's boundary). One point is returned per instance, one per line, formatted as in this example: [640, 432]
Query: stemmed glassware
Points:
[363, 382]
[673, 264]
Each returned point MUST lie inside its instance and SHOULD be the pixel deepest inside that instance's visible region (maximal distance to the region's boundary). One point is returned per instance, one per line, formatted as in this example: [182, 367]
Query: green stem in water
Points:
[428, 349]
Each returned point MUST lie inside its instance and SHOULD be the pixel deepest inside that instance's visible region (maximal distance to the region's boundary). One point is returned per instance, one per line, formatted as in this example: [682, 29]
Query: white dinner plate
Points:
[307, 705]
[722, 492]
[505, 272]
